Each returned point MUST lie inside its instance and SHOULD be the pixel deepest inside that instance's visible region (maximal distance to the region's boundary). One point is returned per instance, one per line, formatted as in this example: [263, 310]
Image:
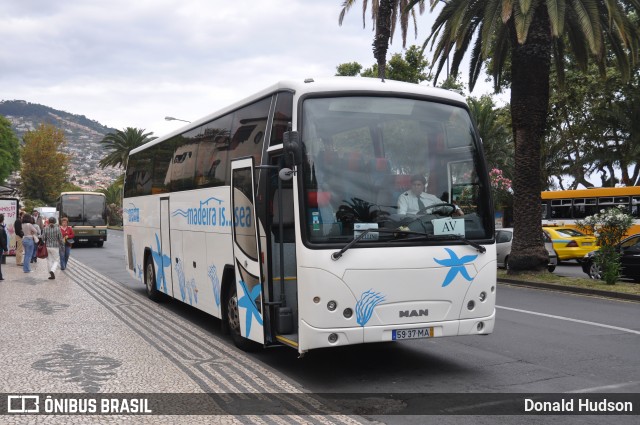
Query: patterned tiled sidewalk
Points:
[84, 333]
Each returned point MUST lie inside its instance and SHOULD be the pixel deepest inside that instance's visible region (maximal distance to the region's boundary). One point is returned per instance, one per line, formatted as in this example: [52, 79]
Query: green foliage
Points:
[410, 68]
[113, 199]
[609, 227]
[349, 69]
[593, 126]
[44, 165]
[9, 150]
[119, 144]
[494, 126]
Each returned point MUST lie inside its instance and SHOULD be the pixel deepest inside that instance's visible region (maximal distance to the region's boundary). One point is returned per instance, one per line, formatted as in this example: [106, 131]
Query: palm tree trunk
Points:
[529, 109]
[383, 35]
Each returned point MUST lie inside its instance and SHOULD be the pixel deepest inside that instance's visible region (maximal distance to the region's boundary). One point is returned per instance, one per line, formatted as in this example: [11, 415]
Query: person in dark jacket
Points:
[4, 242]
[17, 227]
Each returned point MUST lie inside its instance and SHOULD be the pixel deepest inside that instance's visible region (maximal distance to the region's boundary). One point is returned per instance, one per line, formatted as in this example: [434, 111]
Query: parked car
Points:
[629, 249]
[503, 248]
[570, 244]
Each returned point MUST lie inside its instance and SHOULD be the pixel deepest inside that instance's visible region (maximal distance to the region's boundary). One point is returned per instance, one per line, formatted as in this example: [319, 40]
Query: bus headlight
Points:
[332, 305]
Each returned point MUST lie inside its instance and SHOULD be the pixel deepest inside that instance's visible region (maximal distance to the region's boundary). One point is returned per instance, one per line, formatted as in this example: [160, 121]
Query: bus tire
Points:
[233, 321]
[150, 280]
[100, 244]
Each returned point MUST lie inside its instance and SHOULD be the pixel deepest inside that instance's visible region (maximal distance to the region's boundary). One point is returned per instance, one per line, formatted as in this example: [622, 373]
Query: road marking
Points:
[569, 319]
[606, 387]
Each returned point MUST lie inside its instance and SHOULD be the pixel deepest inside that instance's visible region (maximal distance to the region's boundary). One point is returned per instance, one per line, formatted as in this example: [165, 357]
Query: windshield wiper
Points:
[336, 255]
[481, 249]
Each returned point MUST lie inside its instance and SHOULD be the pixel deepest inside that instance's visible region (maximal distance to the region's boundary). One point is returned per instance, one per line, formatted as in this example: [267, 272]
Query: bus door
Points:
[165, 248]
[282, 255]
[246, 251]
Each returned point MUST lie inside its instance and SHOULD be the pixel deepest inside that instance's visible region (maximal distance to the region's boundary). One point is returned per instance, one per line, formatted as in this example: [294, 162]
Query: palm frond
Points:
[556, 10]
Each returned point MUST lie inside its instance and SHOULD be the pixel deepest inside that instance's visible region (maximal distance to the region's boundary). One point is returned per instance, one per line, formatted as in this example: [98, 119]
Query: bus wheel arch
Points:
[228, 281]
[150, 277]
[231, 315]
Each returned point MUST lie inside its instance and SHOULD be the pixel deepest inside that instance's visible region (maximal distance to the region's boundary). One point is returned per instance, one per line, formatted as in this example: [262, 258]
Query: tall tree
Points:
[526, 35]
[9, 150]
[385, 14]
[120, 143]
[44, 165]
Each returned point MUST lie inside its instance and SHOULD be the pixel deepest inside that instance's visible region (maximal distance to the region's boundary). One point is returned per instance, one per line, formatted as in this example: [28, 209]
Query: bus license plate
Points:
[83, 240]
[411, 333]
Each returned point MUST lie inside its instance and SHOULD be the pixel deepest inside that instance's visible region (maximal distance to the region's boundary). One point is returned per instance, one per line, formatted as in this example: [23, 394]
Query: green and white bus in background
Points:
[87, 214]
[278, 215]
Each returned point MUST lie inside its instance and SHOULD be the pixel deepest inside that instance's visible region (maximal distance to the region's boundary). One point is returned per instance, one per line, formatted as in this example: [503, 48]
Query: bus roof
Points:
[321, 85]
[82, 193]
[592, 192]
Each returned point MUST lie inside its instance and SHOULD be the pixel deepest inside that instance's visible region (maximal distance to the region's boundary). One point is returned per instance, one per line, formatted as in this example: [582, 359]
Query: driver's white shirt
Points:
[408, 202]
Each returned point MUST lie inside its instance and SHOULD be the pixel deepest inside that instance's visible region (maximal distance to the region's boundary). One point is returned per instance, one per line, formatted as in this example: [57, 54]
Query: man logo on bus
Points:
[457, 266]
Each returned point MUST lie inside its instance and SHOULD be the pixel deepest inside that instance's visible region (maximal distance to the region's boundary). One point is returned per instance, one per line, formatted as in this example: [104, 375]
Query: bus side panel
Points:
[141, 231]
[202, 218]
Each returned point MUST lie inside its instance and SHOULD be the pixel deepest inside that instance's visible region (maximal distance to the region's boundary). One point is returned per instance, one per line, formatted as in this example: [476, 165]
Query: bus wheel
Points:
[233, 319]
[150, 281]
[99, 244]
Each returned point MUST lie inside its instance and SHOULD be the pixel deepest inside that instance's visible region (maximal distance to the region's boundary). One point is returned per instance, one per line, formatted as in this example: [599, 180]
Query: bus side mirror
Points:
[292, 151]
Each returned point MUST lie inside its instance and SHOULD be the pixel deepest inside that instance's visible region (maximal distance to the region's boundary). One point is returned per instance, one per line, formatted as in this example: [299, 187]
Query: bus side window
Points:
[282, 116]
[212, 158]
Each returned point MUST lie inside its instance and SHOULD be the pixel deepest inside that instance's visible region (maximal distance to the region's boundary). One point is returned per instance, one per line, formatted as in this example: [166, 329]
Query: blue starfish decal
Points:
[457, 266]
[162, 261]
[248, 301]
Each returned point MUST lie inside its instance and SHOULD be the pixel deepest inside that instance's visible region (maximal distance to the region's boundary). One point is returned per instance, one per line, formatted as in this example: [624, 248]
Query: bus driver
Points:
[416, 199]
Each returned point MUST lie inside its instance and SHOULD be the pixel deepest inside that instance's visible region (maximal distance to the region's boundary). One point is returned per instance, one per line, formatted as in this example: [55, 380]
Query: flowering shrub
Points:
[114, 215]
[609, 227]
[500, 188]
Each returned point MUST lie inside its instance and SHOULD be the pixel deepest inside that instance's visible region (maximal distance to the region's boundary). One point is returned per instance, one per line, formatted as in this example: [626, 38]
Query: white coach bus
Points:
[278, 215]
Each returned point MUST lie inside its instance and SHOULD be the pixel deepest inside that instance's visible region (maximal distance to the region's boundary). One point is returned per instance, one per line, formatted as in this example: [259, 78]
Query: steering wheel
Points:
[445, 209]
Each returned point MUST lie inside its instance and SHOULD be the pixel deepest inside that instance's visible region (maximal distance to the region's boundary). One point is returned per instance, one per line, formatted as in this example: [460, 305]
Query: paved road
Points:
[544, 342]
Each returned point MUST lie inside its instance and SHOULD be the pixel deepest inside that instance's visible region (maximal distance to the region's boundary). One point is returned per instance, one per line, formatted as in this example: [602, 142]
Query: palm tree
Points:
[385, 14]
[120, 143]
[526, 35]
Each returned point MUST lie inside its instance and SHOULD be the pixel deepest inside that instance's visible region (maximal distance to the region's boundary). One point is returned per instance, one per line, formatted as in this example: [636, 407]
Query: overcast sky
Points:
[130, 63]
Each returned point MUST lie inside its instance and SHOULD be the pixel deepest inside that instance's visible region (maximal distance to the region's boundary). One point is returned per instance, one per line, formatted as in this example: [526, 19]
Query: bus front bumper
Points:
[312, 337]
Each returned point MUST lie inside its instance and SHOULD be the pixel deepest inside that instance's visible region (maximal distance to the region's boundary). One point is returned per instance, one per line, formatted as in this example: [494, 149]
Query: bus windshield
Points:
[84, 210]
[364, 154]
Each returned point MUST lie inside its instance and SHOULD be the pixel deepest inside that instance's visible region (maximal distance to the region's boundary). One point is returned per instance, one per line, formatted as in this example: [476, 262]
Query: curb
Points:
[571, 289]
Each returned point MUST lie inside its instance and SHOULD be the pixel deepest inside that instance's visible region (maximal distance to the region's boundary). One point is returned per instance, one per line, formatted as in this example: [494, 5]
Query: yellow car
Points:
[570, 244]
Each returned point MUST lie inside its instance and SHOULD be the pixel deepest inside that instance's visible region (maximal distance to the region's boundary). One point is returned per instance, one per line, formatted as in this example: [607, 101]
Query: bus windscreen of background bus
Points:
[87, 215]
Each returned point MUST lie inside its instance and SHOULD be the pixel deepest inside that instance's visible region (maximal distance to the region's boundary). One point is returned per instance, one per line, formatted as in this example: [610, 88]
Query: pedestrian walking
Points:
[29, 241]
[38, 226]
[65, 248]
[4, 242]
[17, 228]
[52, 236]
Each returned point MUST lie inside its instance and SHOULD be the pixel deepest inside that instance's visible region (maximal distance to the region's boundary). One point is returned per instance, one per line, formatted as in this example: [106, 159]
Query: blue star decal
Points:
[457, 266]
[162, 261]
[248, 301]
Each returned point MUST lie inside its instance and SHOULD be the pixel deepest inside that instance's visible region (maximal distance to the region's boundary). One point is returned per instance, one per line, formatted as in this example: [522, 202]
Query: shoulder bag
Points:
[41, 251]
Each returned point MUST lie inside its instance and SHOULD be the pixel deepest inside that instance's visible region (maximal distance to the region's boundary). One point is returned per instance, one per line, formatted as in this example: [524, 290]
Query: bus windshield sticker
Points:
[448, 226]
[360, 227]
